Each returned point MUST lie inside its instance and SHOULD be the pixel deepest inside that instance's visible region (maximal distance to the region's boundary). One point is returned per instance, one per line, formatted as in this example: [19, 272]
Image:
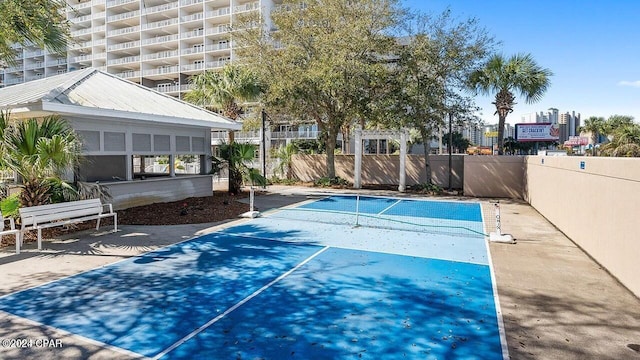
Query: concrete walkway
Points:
[557, 303]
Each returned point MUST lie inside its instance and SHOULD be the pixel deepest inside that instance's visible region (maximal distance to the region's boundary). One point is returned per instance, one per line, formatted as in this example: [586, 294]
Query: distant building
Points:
[569, 125]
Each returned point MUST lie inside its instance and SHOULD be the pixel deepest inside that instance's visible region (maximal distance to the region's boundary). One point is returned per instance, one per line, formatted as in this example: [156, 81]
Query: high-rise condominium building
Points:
[156, 43]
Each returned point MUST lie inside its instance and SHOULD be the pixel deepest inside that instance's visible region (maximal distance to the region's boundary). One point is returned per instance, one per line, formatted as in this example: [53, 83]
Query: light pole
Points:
[449, 147]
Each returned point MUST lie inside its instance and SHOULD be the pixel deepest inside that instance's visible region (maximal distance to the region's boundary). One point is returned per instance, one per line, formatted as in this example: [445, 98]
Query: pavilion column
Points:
[357, 173]
[172, 165]
[403, 160]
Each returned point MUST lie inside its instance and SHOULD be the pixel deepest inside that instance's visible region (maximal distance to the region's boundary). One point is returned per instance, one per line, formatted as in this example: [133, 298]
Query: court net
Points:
[416, 215]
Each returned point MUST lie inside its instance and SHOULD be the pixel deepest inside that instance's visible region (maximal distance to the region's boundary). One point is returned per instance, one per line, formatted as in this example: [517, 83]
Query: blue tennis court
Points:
[294, 284]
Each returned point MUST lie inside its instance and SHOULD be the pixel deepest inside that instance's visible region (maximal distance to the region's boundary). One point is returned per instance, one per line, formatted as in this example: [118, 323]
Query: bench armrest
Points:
[12, 224]
[109, 207]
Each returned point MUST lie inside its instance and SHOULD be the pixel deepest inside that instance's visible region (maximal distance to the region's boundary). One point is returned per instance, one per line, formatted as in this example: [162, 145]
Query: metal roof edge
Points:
[128, 115]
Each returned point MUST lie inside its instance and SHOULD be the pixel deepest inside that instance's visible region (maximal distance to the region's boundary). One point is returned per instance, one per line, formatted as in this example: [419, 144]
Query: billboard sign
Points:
[537, 132]
[577, 141]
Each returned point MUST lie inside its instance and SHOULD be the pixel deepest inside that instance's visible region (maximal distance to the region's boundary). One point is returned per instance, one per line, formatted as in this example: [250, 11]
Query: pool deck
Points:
[557, 303]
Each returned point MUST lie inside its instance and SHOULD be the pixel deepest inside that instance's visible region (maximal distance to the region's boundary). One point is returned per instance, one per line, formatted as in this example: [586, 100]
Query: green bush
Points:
[327, 182]
[431, 189]
[279, 181]
[10, 205]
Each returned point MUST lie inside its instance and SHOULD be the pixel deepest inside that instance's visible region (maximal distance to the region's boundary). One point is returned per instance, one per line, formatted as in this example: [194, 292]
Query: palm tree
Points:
[596, 126]
[520, 74]
[625, 142]
[40, 152]
[222, 90]
[40, 22]
[239, 156]
[284, 154]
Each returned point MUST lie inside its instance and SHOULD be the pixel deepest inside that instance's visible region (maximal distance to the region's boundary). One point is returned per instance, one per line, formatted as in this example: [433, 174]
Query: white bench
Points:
[11, 230]
[46, 216]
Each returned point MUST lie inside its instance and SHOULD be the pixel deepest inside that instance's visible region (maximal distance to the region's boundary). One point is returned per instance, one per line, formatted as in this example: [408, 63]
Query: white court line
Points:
[63, 332]
[389, 207]
[237, 305]
[496, 299]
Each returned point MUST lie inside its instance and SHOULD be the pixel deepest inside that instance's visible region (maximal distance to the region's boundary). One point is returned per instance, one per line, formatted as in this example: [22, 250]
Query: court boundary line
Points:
[496, 299]
[91, 341]
[237, 305]
[389, 207]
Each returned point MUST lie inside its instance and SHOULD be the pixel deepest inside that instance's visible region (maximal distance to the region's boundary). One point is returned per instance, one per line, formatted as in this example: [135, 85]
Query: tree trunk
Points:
[501, 120]
[427, 149]
[330, 149]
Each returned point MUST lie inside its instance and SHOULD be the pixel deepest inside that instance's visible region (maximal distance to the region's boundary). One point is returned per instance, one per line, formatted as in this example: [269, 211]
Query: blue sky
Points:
[592, 47]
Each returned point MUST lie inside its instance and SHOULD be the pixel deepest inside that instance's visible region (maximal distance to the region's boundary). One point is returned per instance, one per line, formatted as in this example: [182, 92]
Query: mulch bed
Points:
[196, 210]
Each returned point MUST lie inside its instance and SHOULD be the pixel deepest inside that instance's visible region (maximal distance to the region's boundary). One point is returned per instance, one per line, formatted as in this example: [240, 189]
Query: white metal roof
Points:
[91, 92]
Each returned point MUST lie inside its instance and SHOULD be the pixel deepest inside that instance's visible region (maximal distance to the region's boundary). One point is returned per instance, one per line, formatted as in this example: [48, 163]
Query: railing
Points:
[215, 47]
[220, 29]
[79, 45]
[190, 2]
[100, 28]
[129, 74]
[159, 8]
[219, 12]
[37, 65]
[217, 64]
[75, 7]
[192, 17]
[192, 50]
[126, 30]
[158, 24]
[57, 62]
[247, 7]
[128, 59]
[160, 55]
[14, 68]
[191, 67]
[81, 19]
[123, 16]
[168, 89]
[82, 58]
[164, 70]
[160, 39]
[99, 15]
[99, 42]
[126, 45]
[14, 81]
[119, 2]
[191, 34]
[295, 134]
[102, 55]
[81, 32]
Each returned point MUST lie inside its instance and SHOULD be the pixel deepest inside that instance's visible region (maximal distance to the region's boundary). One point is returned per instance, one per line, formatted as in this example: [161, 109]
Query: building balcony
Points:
[112, 3]
[14, 69]
[190, 2]
[129, 74]
[14, 81]
[124, 60]
[100, 15]
[219, 12]
[81, 32]
[37, 65]
[35, 77]
[57, 62]
[81, 58]
[193, 67]
[32, 54]
[247, 7]
[217, 64]
[160, 8]
[192, 50]
[123, 16]
[122, 46]
[81, 19]
[192, 17]
[168, 88]
[161, 55]
[192, 34]
[127, 30]
[160, 39]
[220, 29]
[160, 24]
[162, 70]
[216, 47]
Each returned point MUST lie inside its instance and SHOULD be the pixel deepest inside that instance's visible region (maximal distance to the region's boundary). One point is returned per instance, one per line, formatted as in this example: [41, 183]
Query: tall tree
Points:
[39, 22]
[321, 62]
[433, 63]
[503, 76]
[224, 90]
[625, 137]
[595, 126]
[41, 152]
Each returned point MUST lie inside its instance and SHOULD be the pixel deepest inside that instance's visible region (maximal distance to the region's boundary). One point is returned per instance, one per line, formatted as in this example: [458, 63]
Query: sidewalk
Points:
[556, 302]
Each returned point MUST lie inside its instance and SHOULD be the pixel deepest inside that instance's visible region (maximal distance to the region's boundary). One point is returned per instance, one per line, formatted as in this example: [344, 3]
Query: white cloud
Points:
[629, 83]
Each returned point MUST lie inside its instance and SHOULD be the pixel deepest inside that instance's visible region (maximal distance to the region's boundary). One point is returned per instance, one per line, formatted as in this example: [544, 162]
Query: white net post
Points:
[497, 235]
